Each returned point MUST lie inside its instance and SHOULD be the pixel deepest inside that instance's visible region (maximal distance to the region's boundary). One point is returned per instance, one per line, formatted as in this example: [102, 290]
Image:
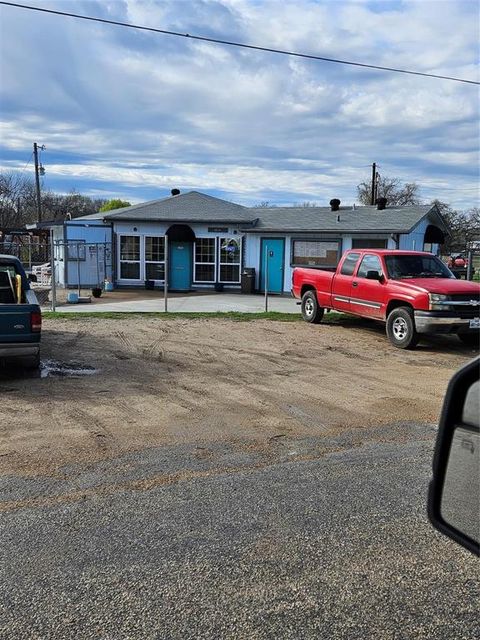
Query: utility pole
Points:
[374, 180]
[38, 170]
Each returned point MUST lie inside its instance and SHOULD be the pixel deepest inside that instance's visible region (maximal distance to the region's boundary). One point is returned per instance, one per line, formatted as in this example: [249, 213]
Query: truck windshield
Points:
[416, 266]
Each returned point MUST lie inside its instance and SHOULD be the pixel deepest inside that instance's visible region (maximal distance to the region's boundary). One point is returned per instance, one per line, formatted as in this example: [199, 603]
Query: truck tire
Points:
[311, 312]
[470, 339]
[401, 328]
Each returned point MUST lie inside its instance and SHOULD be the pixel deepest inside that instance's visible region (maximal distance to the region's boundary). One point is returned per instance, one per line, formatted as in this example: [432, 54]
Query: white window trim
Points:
[145, 261]
[214, 263]
[239, 263]
[140, 261]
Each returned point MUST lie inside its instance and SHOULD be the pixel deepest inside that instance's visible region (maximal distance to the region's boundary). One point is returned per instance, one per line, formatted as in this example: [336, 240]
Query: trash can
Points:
[248, 280]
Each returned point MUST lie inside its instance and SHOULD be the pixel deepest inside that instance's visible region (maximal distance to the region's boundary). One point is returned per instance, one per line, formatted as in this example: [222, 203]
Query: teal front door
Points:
[180, 276]
[272, 263]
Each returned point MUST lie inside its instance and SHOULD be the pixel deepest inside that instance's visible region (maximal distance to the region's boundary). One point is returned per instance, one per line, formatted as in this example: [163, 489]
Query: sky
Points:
[131, 114]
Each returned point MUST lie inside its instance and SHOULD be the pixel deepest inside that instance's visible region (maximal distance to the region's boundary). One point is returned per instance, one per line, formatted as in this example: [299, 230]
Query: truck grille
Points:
[466, 311]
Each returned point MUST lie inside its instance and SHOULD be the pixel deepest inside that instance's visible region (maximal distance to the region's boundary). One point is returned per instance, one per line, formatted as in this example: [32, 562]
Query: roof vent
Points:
[175, 192]
[335, 204]
[381, 203]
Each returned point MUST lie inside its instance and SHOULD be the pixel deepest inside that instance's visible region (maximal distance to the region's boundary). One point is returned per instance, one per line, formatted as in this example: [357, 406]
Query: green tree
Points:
[116, 203]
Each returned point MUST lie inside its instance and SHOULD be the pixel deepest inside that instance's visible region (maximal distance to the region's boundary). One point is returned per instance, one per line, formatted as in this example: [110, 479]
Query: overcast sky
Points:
[131, 114]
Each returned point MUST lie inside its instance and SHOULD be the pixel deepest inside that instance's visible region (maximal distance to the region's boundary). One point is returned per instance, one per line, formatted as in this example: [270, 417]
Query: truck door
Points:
[367, 296]
[342, 283]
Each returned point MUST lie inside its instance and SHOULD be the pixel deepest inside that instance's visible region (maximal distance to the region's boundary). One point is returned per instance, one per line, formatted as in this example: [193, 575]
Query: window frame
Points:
[355, 266]
[157, 262]
[220, 264]
[214, 263]
[139, 261]
[293, 240]
[359, 265]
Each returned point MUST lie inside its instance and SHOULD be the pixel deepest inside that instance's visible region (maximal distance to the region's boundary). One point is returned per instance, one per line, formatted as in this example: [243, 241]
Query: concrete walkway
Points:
[190, 304]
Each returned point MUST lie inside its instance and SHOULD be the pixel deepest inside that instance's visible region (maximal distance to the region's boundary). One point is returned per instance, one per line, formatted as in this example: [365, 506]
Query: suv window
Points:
[369, 263]
[348, 267]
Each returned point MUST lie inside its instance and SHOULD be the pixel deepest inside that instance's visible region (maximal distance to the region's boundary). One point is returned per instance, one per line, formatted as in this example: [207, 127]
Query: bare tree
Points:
[265, 204]
[306, 204]
[18, 204]
[396, 193]
[464, 226]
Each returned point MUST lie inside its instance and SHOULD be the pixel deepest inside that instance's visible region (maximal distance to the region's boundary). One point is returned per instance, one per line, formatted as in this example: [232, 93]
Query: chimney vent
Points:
[335, 204]
[381, 203]
[175, 192]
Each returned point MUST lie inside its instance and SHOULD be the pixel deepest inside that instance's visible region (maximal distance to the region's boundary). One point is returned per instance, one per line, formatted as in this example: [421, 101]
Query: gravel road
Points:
[336, 547]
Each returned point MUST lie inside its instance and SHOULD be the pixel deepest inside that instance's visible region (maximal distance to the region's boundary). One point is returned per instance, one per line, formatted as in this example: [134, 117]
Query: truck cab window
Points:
[349, 264]
[369, 263]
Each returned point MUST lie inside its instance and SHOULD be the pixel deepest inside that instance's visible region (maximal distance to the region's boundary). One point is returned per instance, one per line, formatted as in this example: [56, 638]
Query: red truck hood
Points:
[440, 285]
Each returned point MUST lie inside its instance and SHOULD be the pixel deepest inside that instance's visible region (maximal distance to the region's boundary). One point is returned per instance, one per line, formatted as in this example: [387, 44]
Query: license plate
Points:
[475, 323]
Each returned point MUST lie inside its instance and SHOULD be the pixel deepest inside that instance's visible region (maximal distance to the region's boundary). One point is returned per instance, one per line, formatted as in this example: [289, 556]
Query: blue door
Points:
[180, 276]
[272, 261]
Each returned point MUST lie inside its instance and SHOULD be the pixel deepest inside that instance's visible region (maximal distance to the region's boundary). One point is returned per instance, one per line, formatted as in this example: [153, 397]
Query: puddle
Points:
[51, 368]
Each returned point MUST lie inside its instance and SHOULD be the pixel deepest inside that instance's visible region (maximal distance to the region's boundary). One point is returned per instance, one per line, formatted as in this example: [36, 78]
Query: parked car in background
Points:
[413, 292]
[20, 316]
[458, 265]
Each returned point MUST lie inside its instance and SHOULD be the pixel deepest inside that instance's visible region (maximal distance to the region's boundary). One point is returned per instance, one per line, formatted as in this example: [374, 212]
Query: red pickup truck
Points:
[412, 291]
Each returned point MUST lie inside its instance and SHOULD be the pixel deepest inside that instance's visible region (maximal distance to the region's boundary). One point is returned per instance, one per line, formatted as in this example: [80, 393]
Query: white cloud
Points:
[132, 109]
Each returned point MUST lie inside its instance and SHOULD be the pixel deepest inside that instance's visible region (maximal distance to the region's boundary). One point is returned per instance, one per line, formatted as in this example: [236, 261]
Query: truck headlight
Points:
[437, 302]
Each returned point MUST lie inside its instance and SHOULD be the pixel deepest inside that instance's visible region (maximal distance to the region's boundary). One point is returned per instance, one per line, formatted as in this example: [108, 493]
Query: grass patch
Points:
[236, 316]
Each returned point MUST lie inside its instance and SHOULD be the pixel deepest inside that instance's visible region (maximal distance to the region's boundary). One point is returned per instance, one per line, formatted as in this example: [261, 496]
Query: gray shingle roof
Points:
[193, 206]
[186, 207]
[322, 219]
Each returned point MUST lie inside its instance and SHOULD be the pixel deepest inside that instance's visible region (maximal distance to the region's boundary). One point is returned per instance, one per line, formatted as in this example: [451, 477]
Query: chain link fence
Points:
[29, 253]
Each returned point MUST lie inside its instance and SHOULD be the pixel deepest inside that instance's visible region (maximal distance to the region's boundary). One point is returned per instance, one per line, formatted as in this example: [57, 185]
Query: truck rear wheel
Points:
[401, 328]
[311, 312]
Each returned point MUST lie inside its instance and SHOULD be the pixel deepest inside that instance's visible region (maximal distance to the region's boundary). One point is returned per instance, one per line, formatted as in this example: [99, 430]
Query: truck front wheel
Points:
[401, 328]
[311, 312]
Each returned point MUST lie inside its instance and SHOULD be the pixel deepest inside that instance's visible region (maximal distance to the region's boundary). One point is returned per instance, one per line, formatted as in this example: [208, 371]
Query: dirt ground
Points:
[199, 381]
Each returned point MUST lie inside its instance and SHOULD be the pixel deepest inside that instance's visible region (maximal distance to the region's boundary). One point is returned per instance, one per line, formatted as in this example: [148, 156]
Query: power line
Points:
[242, 45]
[26, 165]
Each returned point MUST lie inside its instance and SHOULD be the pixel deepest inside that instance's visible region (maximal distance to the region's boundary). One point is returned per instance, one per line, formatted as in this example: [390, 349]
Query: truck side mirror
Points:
[373, 274]
[454, 493]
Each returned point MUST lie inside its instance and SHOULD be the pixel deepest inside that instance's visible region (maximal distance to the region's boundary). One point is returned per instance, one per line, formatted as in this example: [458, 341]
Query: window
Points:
[315, 253]
[348, 267]
[154, 258]
[412, 266]
[76, 250]
[369, 243]
[205, 250]
[369, 263]
[230, 257]
[130, 257]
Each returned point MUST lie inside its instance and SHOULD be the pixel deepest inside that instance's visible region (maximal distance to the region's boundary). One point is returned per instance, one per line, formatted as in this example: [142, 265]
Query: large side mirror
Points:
[373, 274]
[454, 494]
